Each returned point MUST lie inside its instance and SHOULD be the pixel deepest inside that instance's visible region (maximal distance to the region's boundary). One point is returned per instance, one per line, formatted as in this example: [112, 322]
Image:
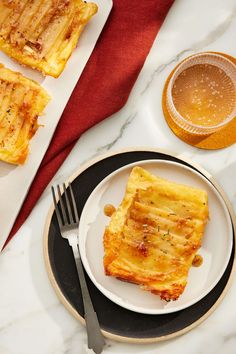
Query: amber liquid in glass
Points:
[204, 95]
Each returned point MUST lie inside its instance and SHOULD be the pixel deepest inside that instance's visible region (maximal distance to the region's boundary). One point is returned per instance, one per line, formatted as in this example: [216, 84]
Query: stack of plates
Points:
[126, 312]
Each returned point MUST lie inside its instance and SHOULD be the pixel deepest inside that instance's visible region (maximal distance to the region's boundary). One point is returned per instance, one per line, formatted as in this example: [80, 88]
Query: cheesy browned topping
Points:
[43, 33]
[21, 102]
[154, 234]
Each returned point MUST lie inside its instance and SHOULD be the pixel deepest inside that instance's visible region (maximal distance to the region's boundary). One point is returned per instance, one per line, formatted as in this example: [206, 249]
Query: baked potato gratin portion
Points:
[154, 234]
[21, 102]
[42, 33]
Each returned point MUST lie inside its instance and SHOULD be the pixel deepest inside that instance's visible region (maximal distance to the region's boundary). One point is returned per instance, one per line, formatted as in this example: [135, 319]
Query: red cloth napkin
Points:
[104, 86]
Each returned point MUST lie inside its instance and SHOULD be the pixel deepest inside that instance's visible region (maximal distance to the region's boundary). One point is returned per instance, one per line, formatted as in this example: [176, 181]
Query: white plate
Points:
[216, 247]
[15, 181]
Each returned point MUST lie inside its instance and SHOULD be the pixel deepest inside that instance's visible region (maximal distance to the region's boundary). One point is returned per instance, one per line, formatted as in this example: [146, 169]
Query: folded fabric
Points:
[104, 86]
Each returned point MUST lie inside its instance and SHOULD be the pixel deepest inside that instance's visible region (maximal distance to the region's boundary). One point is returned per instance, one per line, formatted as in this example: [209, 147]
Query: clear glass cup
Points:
[201, 94]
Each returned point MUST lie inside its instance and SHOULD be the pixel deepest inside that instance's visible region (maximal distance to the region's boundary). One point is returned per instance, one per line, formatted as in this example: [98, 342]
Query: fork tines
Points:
[66, 210]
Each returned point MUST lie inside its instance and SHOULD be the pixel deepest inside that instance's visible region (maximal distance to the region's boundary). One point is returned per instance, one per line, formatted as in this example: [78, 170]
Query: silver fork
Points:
[68, 220]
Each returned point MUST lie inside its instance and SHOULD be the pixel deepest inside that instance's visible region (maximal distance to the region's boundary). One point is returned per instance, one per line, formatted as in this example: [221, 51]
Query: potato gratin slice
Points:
[42, 33]
[21, 102]
[155, 233]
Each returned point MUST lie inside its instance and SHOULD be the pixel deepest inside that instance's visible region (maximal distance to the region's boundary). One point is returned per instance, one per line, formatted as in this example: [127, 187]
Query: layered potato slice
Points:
[42, 33]
[154, 234]
[21, 102]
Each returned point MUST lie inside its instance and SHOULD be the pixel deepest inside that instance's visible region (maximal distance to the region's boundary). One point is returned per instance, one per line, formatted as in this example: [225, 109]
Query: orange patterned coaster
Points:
[218, 140]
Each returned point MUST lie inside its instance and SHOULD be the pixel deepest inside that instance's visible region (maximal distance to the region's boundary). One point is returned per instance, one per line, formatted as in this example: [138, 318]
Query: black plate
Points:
[114, 319]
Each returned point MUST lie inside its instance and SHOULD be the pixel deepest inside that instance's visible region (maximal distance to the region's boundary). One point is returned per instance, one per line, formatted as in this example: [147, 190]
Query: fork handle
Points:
[95, 338]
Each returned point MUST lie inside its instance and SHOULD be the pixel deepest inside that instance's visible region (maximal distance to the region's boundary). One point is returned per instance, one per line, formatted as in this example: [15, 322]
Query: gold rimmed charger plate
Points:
[116, 322]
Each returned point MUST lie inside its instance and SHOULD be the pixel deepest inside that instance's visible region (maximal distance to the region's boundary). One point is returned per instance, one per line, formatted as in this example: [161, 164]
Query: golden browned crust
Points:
[155, 233]
[21, 102]
[43, 33]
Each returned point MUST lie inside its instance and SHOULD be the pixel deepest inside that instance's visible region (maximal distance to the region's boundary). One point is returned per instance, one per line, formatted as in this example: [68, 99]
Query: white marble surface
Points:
[32, 320]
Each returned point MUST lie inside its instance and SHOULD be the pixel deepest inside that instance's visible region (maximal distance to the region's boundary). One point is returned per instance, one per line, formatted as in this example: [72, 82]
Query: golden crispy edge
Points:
[86, 11]
[20, 153]
[140, 178]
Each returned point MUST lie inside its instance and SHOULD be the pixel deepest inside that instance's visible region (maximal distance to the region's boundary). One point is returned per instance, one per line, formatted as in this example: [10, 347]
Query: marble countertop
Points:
[32, 320]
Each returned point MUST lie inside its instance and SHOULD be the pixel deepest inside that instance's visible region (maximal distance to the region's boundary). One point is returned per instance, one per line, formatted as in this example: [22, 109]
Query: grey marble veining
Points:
[32, 319]
[198, 46]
